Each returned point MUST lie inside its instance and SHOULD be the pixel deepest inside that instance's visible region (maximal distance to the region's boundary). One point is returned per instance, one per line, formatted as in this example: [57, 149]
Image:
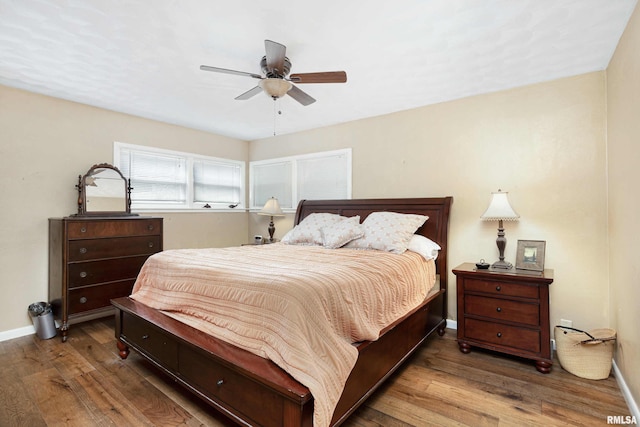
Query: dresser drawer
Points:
[113, 228]
[501, 288]
[503, 309]
[89, 249]
[503, 335]
[227, 386]
[108, 270]
[94, 297]
[151, 340]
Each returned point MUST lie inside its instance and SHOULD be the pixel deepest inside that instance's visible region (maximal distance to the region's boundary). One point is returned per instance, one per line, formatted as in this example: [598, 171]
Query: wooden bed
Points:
[254, 391]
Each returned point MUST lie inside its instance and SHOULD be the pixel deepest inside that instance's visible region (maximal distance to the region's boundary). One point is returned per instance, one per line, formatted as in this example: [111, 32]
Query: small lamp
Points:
[499, 209]
[271, 208]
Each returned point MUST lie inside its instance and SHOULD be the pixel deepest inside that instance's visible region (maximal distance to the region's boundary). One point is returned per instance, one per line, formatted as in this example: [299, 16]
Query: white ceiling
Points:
[142, 57]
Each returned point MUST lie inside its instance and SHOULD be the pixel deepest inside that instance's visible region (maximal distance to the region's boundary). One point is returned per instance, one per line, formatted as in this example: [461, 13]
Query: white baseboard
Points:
[626, 393]
[17, 333]
[452, 324]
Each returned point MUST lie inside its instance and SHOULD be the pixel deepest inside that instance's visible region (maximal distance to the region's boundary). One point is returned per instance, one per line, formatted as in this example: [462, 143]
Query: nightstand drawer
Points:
[503, 335]
[501, 288]
[502, 309]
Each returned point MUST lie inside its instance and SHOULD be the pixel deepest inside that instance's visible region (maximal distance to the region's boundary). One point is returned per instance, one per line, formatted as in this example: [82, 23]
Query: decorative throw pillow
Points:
[308, 231]
[339, 234]
[424, 246]
[388, 231]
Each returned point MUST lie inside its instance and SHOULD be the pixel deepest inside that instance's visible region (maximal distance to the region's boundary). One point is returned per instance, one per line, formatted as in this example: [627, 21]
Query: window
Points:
[325, 175]
[164, 179]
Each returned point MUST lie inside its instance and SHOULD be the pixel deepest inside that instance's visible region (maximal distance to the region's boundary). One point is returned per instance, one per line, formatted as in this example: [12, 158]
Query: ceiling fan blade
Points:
[300, 96]
[248, 94]
[325, 77]
[226, 71]
[275, 56]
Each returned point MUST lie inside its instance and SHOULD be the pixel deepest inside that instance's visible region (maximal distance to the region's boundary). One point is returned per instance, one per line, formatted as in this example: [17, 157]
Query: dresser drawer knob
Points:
[150, 227]
[498, 288]
[499, 334]
[83, 250]
[499, 309]
[220, 382]
[83, 229]
[145, 336]
[150, 244]
[83, 300]
[83, 274]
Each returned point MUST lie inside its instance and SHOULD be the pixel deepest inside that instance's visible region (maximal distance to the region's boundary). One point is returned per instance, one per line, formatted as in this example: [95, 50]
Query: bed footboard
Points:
[247, 388]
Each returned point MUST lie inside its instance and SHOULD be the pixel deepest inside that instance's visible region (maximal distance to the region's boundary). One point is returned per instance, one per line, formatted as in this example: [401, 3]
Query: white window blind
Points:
[272, 180]
[323, 178]
[154, 177]
[216, 182]
[165, 179]
[316, 176]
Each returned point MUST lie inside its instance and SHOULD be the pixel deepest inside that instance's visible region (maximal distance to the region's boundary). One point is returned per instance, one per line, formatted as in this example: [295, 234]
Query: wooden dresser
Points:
[95, 259]
[505, 311]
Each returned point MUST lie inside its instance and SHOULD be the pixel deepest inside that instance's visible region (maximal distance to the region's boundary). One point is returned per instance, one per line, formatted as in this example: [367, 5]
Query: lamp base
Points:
[502, 265]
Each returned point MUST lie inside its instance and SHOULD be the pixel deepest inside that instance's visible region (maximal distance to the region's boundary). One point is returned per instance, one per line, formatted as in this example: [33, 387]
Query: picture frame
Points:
[530, 255]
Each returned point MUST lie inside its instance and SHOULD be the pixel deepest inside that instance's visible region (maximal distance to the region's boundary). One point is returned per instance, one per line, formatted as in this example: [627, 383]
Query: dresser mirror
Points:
[103, 191]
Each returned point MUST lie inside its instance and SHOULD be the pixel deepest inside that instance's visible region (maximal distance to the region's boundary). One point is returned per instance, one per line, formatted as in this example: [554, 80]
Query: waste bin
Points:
[42, 317]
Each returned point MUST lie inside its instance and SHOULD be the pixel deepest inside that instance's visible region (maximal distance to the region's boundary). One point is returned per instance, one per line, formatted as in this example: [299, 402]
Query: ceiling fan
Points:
[276, 81]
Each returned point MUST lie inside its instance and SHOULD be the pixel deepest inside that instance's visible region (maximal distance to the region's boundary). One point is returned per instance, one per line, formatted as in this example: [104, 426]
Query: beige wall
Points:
[45, 143]
[623, 141]
[545, 144]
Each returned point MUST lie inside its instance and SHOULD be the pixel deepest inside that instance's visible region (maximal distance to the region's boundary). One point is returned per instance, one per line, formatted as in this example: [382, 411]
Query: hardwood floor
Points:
[84, 383]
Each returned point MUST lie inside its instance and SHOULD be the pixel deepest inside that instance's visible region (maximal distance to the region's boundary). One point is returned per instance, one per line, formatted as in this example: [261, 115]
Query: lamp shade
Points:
[271, 208]
[275, 88]
[499, 208]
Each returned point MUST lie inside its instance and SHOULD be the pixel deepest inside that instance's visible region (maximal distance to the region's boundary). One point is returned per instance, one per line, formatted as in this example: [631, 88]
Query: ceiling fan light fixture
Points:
[274, 87]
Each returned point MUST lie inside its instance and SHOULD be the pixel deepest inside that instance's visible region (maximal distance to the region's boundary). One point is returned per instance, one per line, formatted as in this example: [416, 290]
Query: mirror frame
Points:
[82, 193]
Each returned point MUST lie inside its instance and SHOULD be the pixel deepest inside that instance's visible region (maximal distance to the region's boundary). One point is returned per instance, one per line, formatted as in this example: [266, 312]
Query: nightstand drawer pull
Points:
[83, 250]
[145, 336]
[498, 309]
[499, 334]
[220, 382]
[498, 288]
[150, 227]
[83, 274]
[150, 244]
[83, 300]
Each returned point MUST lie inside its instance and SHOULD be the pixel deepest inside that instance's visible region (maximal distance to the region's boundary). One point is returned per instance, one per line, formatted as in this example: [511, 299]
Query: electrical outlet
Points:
[567, 323]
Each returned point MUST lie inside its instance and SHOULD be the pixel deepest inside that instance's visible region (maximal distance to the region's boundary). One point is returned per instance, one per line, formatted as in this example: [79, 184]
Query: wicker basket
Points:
[585, 354]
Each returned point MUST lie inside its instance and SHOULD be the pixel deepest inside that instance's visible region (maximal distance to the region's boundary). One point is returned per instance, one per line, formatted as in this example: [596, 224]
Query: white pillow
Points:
[388, 231]
[424, 246]
[308, 231]
[339, 234]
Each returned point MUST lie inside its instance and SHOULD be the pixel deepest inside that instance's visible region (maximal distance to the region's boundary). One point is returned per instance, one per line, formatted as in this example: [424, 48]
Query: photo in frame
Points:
[530, 255]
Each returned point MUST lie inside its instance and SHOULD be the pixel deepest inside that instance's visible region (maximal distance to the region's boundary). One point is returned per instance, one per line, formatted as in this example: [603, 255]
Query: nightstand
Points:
[505, 311]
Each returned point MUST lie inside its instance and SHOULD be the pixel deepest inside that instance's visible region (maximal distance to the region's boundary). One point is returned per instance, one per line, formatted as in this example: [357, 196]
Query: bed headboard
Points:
[436, 228]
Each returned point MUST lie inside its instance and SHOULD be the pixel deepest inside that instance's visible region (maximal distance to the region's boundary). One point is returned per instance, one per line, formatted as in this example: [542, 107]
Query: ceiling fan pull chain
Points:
[276, 112]
[274, 116]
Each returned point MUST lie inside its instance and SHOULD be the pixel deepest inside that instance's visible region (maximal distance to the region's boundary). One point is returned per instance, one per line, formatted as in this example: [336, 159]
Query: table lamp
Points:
[271, 209]
[499, 209]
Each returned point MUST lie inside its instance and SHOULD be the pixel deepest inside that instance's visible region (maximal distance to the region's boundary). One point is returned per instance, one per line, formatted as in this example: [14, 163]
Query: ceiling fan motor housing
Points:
[274, 73]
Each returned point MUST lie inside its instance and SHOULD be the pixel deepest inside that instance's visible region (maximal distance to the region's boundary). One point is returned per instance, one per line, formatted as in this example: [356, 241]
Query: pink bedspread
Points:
[301, 307]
